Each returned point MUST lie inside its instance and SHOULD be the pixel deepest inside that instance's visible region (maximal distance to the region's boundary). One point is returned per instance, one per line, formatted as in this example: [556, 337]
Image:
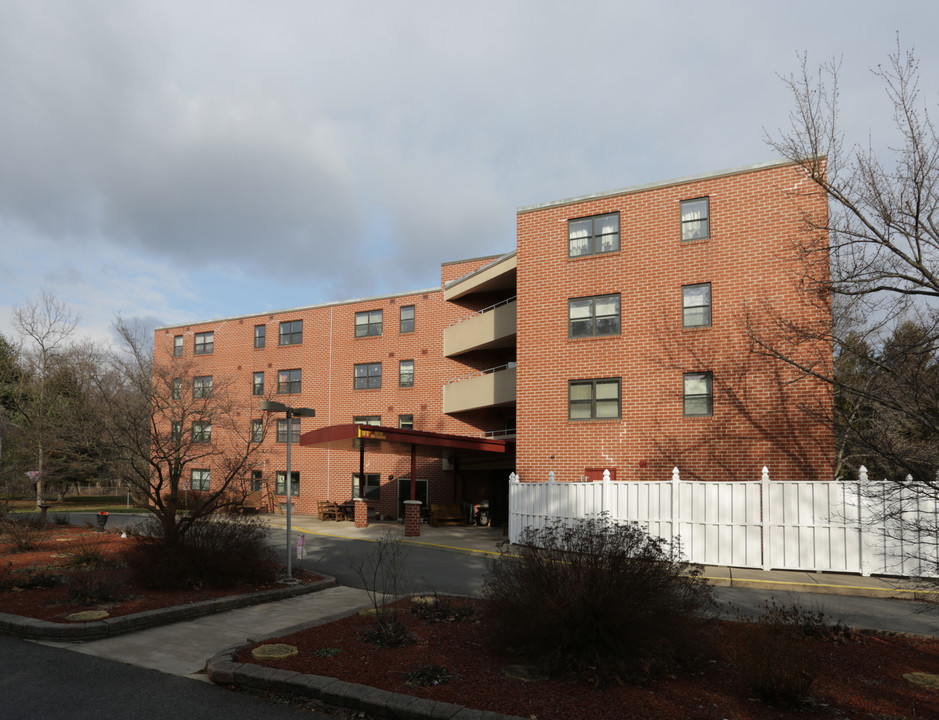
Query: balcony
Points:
[489, 388]
[493, 327]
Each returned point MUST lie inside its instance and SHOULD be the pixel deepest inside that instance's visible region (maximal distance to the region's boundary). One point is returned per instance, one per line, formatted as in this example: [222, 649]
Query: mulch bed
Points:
[860, 677]
[55, 554]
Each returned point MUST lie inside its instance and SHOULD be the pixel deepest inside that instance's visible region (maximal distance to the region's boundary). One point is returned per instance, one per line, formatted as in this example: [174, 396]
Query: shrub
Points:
[603, 600]
[23, 532]
[442, 609]
[87, 553]
[93, 587]
[778, 656]
[383, 572]
[28, 578]
[215, 552]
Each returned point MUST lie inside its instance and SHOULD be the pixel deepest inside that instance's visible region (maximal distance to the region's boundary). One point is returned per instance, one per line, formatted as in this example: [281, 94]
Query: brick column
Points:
[361, 513]
[412, 518]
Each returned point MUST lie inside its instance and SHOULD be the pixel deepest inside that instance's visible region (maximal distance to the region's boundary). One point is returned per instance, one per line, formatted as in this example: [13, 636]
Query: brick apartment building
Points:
[611, 338]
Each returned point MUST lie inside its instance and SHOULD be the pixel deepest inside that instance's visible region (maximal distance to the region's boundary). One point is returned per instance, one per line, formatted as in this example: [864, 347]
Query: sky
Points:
[171, 161]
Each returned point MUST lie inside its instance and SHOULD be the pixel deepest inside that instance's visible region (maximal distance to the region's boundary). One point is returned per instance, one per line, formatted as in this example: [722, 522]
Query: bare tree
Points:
[874, 259]
[46, 327]
[180, 440]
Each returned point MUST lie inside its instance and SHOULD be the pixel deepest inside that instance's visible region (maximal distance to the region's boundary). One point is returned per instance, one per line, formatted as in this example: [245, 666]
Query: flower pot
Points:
[102, 521]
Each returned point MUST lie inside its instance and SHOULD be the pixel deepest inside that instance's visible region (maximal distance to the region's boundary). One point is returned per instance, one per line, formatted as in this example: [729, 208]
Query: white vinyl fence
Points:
[856, 527]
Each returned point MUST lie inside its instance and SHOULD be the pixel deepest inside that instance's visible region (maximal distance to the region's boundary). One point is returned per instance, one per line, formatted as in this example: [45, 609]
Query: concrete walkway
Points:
[182, 648]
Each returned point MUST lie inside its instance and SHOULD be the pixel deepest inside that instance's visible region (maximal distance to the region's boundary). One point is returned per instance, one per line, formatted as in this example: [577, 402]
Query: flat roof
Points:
[654, 185]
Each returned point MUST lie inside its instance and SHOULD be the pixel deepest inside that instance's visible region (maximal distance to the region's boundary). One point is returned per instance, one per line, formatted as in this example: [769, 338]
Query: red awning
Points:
[388, 440]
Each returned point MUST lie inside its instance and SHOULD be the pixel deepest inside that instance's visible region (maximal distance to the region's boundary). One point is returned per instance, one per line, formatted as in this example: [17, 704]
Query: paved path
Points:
[183, 648]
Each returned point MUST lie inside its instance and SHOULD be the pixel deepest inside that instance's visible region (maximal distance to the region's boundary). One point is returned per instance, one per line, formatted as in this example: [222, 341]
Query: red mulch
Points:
[57, 545]
[859, 678]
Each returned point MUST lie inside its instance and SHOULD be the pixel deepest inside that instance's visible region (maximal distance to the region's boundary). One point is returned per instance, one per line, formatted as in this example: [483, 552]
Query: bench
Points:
[446, 514]
[252, 503]
[327, 510]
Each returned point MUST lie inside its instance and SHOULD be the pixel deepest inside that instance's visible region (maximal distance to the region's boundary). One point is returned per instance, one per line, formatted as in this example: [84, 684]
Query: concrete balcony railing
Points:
[488, 389]
[493, 327]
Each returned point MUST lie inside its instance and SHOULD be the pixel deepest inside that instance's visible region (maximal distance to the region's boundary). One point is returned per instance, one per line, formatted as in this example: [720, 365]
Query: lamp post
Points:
[271, 406]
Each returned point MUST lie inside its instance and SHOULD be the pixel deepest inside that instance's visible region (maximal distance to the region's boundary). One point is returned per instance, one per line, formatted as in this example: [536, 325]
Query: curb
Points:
[32, 629]
[223, 670]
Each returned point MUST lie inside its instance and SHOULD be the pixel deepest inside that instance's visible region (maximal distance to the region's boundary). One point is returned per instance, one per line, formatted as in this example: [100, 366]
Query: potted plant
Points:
[102, 520]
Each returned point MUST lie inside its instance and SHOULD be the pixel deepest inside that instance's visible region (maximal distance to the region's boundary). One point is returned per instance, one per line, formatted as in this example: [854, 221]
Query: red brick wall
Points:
[326, 357]
[755, 217]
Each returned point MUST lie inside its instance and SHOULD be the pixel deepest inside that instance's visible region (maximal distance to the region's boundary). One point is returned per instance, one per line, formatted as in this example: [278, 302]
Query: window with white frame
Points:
[368, 323]
[294, 431]
[370, 489]
[593, 235]
[593, 316]
[291, 332]
[698, 394]
[695, 219]
[202, 386]
[176, 431]
[289, 381]
[204, 343]
[406, 373]
[257, 383]
[696, 305]
[407, 319]
[177, 345]
[280, 483]
[177, 388]
[406, 422]
[593, 399]
[200, 479]
[257, 431]
[366, 419]
[366, 376]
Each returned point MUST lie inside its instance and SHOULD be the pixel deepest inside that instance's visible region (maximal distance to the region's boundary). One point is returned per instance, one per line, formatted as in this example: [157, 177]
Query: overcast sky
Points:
[181, 161]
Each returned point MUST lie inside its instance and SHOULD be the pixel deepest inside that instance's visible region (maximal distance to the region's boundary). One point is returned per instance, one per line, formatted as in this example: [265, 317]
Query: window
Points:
[591, 316]
[406, 422]
[202, 386]
[695, 219]
[367, 419]
[260, 336]
[696, 305]
[368, 323]
[407, 319]
[257, 387]
[177, 388]
[371, 489]
[288, 382]
[202, 432]
[177, 345]
[406, 373]
[294, 430]
[367, 375]
[281, 484]
[204, 343]
[176, 431]
[256, 481]
[257, 431]
[593, 235]
[291, 332]
[199, 480]
[593, 399]
[698, 395]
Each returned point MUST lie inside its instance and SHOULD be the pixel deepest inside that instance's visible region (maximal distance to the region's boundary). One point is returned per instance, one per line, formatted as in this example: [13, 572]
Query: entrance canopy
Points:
[389, 440]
